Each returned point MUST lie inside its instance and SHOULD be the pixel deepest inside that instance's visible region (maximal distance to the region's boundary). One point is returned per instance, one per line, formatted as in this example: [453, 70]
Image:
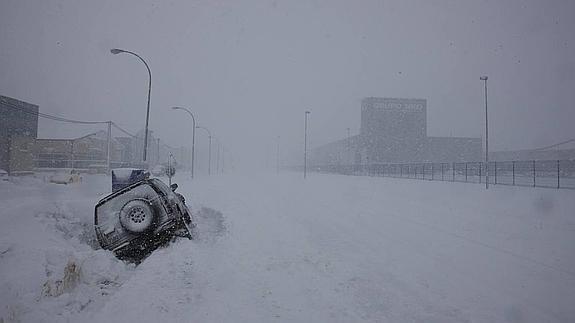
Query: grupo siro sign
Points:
[402, 106]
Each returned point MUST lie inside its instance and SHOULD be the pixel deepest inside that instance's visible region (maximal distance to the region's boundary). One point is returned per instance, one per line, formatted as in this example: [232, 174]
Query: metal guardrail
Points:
[534, 173]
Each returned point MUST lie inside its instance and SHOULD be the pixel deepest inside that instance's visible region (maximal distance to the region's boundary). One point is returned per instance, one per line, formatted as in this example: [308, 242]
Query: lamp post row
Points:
[116, 51]
[119, 51]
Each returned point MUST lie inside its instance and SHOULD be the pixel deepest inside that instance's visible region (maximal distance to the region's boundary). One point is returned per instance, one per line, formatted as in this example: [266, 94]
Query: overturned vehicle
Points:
[140, 215]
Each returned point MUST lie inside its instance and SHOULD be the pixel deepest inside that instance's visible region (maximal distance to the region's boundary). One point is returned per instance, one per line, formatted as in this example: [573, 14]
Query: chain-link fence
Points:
[86, 164]
[535, 173]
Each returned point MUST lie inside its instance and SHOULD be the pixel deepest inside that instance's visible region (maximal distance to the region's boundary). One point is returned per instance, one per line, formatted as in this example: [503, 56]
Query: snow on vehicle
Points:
[135, 220]
[65, 176]
[158, 170]
[122, 177]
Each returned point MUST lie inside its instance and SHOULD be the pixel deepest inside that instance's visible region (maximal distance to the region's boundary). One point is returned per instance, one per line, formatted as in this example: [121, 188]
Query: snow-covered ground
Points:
[279, 248]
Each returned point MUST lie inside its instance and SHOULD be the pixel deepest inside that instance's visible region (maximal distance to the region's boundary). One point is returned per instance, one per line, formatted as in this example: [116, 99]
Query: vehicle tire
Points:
[137, 216]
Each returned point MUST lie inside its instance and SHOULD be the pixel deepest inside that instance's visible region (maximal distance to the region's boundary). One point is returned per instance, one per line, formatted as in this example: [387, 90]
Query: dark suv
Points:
[135, 220]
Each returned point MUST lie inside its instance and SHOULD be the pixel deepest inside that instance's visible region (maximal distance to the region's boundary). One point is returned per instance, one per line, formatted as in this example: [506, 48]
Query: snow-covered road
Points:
[327, 249]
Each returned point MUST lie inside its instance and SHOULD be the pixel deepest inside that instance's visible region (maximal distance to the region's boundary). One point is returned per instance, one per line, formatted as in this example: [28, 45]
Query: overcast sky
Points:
[249, 69]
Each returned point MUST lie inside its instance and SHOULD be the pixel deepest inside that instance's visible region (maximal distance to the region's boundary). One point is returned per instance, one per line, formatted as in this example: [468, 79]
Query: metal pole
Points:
[513, 171]
[558, 174]
[209, 147]
[533, 173]
[118, 51]
[305, 147]
[484, 79]
[170, 169]
[109, 144]
[495, 166]
[349, 157]
[210, 155]
[218, 159]
[278, 156]
[193, 143]
[193, 133]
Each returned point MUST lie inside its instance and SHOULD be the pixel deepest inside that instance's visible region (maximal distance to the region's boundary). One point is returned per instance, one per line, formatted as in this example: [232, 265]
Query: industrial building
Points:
[22, 152]
[394, 130]
[18, 132]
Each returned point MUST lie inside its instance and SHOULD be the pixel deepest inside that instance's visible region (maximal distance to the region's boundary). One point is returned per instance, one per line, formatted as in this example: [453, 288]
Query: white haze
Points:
[249, 69]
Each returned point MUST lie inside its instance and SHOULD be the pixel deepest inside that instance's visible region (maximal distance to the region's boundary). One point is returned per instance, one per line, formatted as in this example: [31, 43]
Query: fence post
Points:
[558, 186]
[453, 170]
[415, 172]
[480, 167]
[533, 173]
[513, 170]
[442, 172]
[465, 172]
[432, 170]
[401, 170]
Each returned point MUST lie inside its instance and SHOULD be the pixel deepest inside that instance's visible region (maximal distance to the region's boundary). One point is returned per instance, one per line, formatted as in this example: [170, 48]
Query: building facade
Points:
[89, 151]
[394, 130]
[18, 131]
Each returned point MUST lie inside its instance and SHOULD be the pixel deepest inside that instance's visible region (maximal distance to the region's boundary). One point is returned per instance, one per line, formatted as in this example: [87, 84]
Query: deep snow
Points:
[279, 248]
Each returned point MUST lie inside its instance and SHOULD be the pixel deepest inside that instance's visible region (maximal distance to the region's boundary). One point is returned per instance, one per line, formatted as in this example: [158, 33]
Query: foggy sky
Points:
[249, 69]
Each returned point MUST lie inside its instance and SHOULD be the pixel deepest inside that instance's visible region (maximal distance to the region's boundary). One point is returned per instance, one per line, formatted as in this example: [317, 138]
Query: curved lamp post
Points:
[209, 149]
[119, 51]
[193, 133]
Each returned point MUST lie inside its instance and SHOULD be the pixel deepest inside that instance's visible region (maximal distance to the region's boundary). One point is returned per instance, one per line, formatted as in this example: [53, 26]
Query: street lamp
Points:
[218, 156]
[484, 79]
[118, 51]
[278, 156]
[348, 155]
[305, 146]
[193, 133]
[209, 149]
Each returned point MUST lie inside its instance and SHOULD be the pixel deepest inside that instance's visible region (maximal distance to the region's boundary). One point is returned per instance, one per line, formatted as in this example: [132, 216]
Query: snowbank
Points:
[280, 248]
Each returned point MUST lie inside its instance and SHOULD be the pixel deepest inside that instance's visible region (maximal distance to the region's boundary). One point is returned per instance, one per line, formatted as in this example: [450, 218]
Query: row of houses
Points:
[22, 151]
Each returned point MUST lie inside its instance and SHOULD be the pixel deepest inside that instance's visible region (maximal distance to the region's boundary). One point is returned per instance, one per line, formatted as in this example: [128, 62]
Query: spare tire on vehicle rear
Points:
[137, 215]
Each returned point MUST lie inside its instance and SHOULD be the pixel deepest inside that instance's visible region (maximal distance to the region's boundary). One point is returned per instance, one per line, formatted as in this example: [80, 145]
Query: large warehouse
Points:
[394, 130]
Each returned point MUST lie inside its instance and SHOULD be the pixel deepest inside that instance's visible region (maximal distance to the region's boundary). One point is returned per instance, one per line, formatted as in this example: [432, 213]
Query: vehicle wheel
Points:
[137, 215]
